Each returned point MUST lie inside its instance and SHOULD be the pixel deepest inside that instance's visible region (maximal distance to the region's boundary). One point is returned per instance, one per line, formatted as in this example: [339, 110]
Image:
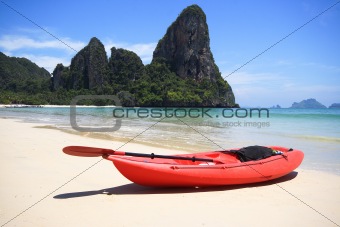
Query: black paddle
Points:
[96, 152]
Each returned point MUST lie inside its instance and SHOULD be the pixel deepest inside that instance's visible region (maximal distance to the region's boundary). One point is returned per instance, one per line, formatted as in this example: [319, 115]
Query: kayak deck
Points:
[226, 169]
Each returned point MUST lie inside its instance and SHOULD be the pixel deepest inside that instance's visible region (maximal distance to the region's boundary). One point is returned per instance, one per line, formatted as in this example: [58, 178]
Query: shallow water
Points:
[315, 131]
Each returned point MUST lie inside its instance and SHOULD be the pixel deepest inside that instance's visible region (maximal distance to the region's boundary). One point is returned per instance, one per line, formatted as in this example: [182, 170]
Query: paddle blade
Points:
[86, 151]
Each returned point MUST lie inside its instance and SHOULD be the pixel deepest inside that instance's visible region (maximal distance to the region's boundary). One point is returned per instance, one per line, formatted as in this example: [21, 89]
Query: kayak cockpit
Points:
[218, 158]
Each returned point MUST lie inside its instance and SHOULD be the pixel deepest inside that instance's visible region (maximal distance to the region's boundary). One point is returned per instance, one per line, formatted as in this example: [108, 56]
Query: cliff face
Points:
[186, 46]
[125, 68]
[182, 73]
[89, 66]
[186, 49]
[60, 76]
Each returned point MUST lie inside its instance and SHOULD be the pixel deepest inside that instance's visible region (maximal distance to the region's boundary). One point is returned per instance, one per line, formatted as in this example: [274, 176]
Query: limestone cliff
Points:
[125, 68]
[186, 49]
[182, 73]
[60, 77]
[89, 66]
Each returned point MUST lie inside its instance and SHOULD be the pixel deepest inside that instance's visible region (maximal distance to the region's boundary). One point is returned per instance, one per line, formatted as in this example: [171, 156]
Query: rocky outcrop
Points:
[185, 48]
[182, 73]
[89, 66]
[335, 105]
[60, 77]
[308, 103]
[125, 68]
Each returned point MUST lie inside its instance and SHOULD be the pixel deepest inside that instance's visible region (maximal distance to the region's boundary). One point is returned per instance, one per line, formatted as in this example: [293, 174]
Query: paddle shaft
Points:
[95, 152]
[152, 156]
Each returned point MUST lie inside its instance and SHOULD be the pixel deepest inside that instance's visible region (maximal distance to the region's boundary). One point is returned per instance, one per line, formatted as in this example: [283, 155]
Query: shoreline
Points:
[65, 190]
[49, 106]
[110, 106]
[180, 148]
[106, 137]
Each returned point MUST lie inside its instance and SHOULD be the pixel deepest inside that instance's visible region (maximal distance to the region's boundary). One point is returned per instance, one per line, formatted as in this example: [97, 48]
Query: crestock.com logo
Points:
[73, 113]
[119, 113]
[189, 112]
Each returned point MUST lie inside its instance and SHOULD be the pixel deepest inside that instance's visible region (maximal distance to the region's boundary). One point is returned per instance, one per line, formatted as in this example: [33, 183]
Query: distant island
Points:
[308, 103]
[276, 107]
[182, 73]
[335, 105]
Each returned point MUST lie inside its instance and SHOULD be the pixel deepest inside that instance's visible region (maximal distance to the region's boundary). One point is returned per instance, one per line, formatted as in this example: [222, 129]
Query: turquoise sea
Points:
[314, 131]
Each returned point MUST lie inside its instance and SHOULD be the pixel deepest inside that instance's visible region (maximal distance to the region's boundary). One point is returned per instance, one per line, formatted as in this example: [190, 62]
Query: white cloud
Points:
[326, 94]
[14, 42]
[35, 49]
[324, 67]
[143, 50]
[48, 62]
[267, 89]
[283, 63]
[253, 79]
[46, 53]
[259, 89]
[313, 89]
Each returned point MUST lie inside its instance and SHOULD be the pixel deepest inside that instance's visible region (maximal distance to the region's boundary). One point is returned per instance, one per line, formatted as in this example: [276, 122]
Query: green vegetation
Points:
[125, 68]
[21, 75]
[134, 83]
[172, 79]
[194, 10]
[22, 81]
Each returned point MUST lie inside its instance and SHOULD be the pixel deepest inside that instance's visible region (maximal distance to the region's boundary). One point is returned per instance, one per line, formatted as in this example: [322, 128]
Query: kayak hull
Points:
[228, 170]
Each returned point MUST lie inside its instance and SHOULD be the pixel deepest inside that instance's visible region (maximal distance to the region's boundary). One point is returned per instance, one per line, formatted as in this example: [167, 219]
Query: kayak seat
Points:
[253, 153]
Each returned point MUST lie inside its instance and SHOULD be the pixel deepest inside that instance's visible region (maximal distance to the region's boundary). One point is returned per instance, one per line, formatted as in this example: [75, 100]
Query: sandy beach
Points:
[41, 186]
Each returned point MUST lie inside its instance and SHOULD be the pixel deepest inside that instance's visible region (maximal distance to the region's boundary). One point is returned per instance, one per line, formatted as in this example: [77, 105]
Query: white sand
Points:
[41, 186]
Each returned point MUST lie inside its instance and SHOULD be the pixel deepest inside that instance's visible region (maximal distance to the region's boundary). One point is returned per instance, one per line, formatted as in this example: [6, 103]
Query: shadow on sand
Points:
[134, 189]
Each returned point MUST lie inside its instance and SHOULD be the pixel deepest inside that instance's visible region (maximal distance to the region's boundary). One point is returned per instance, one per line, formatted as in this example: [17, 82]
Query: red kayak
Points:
[204, 169]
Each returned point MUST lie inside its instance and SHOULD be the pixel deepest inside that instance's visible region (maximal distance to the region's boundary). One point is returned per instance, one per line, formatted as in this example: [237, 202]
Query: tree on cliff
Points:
[182, 72]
